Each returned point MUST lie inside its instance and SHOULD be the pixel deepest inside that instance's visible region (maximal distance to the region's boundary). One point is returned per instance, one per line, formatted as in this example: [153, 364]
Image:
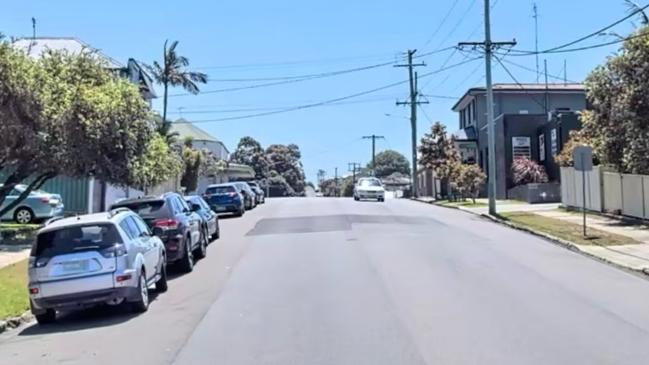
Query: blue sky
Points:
[258, 39]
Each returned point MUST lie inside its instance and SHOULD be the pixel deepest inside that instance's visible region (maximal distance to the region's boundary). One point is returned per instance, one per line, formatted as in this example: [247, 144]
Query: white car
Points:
[369, 188]
[92, 259]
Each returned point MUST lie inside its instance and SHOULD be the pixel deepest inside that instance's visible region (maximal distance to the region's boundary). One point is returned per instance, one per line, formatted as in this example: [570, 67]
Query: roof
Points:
[535, 88]
[95, 218]
[185, 129]
[36, 47]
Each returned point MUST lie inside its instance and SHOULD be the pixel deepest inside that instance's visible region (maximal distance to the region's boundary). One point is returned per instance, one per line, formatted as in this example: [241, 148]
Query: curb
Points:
[432, 202]
[565, 244]
[15, 322]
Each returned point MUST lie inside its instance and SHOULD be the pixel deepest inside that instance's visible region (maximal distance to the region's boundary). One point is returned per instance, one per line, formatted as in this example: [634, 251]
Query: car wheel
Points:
[357, 198]
[187, 262]
[161, 285]
[23, 215]
[48, 317]
[142, 303]
[381, 200]
[217, 233]
[201, 250]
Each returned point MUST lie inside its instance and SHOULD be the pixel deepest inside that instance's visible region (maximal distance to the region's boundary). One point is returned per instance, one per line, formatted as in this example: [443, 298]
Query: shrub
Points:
[526, 171]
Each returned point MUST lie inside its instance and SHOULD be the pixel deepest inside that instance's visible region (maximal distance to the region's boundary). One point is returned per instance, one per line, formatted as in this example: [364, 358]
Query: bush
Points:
[526, 171]
[468, 180]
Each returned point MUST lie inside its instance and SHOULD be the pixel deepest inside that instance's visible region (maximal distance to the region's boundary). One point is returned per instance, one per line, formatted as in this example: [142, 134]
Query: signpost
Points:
[583, 158]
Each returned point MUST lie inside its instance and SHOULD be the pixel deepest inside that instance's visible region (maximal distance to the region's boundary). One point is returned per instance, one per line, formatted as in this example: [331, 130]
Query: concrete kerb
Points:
[15, 322]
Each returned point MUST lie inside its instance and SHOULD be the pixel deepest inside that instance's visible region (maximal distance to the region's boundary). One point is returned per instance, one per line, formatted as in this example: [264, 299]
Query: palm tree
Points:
[173, 73]
[635, 8]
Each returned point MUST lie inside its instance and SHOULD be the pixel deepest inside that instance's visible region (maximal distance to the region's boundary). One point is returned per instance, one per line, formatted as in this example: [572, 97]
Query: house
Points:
[87, 195]
[522, 113]
[200, 138]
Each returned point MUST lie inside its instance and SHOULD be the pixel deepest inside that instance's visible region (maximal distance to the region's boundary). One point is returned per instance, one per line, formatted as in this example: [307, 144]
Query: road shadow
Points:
[95, 317]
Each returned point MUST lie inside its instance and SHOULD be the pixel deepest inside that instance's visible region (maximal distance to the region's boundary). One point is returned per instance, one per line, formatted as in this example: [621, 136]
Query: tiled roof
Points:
[35, 47]
[186, 129]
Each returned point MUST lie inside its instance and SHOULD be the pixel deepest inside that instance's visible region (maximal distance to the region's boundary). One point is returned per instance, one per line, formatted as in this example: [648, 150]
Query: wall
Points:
[73, 191]
[572, 188]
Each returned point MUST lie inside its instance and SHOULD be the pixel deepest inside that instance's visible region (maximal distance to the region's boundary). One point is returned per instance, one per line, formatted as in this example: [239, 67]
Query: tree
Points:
[172, 73]
[577, 138]
[66, 114]
[249, 152]
[389, 162]
[163, 128]
[526, 171]
[437, 151]
[155, 166]
[346, 187]
[192, 160]
[278, 182]
[285, 160]
[616, 124]
[468, 181]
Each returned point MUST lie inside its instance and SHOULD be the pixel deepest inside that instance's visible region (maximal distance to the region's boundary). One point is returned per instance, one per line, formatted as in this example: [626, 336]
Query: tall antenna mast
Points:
[33, 28]
[536, 39]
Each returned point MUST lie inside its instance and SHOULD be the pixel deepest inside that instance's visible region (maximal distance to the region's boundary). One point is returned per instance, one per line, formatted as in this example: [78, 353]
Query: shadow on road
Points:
[95, 317]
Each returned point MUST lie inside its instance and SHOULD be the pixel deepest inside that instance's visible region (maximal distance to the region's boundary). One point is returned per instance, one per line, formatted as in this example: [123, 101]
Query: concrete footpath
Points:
[634, 257]
[10, 254]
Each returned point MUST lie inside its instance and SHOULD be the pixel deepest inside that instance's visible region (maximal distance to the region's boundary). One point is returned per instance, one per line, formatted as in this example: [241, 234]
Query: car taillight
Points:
[45, 200]
[116, 250]
[33, 290]
[165, 224]
[232, 194]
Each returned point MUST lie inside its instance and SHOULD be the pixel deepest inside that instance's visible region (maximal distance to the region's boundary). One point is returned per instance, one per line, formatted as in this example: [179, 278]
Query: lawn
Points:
[566, 230]
[16, 227]
[467, 203]
[13, 290]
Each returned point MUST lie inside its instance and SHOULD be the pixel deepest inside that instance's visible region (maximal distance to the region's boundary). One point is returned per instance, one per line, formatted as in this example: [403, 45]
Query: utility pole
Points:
[413, 102]
[336, 183]
[353, 166]
[489, 47]
[565, 71]
[536, 39]
[373, 138]
[547, 101]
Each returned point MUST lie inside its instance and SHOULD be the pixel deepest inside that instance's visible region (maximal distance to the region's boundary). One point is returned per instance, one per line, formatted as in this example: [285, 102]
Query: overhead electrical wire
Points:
[441, 24]
[330, 101]
[519, 84]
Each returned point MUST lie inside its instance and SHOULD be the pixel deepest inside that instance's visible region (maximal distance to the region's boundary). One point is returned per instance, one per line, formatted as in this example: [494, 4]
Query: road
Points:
[333, 281]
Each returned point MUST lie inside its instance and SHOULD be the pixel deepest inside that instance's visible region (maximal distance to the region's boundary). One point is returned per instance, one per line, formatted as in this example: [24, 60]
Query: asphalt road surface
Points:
[333, 281]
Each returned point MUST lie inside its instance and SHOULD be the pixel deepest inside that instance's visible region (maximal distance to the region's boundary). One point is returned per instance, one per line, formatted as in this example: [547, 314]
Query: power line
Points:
[457, 25]
[331, 101]
[560, 78]
[441, 24]
[519, 84]
[290, 81]
[283, 64]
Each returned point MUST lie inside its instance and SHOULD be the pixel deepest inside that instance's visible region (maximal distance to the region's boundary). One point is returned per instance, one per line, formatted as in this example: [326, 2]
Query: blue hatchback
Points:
[225, 198]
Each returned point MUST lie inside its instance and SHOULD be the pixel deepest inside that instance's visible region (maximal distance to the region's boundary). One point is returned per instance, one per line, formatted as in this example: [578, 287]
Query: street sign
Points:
[583, 158]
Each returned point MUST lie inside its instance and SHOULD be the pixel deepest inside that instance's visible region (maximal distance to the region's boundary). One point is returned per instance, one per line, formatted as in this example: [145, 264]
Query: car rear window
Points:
[146, 209]
[74, 239]
[220, 190]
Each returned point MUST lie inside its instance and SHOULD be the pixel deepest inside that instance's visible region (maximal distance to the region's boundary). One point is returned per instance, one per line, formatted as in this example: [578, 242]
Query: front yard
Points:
[566, 230]
[13, 290]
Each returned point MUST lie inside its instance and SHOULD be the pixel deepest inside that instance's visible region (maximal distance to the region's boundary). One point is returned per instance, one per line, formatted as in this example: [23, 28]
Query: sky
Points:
[236, 41]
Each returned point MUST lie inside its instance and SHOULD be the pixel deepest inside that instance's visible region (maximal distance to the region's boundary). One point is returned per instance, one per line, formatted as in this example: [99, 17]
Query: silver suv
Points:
[93, 259]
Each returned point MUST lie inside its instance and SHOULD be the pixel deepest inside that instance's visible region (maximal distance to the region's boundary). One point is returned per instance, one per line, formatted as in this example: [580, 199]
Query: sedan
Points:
[209, 219]
[38, 205]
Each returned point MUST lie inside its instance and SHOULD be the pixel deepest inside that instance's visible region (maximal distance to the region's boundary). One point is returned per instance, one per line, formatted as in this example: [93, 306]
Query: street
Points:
[333, 281]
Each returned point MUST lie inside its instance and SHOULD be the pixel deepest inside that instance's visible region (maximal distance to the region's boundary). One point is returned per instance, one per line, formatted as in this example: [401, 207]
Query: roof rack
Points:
[52, 220]
[116, 211]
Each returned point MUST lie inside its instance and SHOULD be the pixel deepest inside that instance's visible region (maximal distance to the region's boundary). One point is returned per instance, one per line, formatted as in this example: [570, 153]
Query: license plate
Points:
[74, 266]
[220, 209]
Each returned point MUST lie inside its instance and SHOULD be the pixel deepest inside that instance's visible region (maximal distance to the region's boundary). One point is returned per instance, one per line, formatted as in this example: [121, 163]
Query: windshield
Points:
[146, 209]
[75, 239]
[367, 183]
[220, 190]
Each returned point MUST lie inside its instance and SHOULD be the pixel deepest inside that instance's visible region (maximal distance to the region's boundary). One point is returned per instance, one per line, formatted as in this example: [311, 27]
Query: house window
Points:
[521, 147]
[541, 147]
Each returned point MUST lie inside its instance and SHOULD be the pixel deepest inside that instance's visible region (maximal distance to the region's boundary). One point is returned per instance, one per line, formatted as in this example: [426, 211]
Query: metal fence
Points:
[607, 191]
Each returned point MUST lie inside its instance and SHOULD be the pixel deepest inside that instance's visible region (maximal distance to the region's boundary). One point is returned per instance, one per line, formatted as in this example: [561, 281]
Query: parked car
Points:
[209, 219]
[170, 218]
[225, 198]
[94, 259]
[38, 205]
[261, 196]
[250, 197]
[369, 188]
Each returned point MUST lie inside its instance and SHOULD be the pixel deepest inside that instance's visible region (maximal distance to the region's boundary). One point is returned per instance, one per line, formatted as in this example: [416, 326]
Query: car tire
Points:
[187, 262]
[141, 305]
[357, 198]
[23, 215]
[201, 250]
[161, 285]
[381, 200]
[217, 233]
[46, 318]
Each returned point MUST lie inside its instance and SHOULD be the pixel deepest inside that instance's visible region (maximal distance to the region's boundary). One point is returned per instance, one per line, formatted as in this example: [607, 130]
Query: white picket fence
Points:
[607, 191]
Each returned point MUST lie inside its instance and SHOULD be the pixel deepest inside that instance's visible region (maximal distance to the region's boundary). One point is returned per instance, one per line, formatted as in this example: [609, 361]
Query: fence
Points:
[607, 191]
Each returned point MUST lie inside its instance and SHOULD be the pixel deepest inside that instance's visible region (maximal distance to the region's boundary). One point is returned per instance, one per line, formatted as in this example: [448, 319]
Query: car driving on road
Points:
[369, 188]
[38, 205]
[225, 198]
[170, 218]
[209, 219]
[94, 259]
